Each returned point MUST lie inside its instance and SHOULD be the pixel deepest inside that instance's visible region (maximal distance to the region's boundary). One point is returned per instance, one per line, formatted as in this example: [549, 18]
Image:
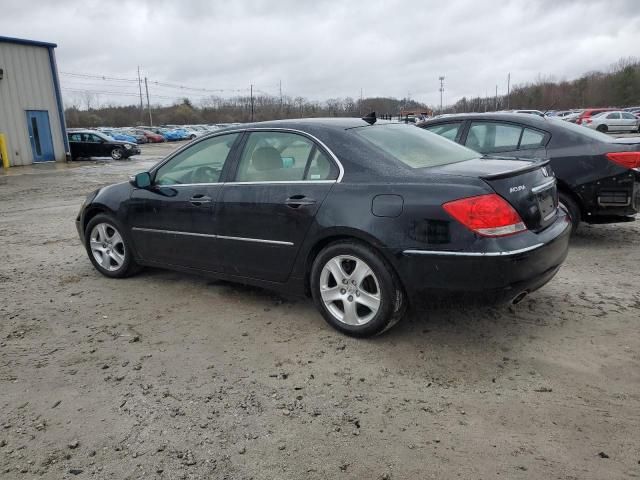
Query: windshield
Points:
[413, 146]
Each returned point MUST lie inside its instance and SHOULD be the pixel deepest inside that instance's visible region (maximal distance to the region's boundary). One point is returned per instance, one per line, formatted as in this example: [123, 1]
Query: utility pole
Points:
[251, 102]
[441, 78]
[496, 109]
[280, 83]
[360, 101]
[508, 89]
[146, 87]
[140, 89]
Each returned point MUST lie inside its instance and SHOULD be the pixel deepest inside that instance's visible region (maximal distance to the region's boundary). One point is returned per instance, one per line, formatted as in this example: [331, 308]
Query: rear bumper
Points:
[500, 271]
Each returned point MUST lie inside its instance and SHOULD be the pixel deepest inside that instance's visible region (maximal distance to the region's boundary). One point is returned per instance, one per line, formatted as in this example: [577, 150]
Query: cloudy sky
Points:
[324, 48]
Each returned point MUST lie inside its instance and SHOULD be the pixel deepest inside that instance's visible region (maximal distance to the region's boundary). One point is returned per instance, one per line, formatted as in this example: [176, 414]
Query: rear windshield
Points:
[414, 146]
[582, 131]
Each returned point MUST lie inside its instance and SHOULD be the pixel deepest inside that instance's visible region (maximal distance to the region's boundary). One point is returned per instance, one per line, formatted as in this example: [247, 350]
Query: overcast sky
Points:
[323, 49]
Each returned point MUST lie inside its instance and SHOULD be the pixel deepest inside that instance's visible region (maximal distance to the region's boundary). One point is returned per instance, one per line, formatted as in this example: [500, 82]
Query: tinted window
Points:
[491, 137]
[446, 130]
[200, 163]
[614, 116]
[282, 157]
[413, 146]
[531, 139]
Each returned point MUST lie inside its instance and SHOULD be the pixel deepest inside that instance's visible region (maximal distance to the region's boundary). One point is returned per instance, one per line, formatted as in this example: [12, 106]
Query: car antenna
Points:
[370, 118]
[552, 105]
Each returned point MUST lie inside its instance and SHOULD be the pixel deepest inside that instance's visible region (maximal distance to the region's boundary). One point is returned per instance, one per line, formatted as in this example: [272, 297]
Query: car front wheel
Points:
[355, 289]
[116, 153]
[108, 247]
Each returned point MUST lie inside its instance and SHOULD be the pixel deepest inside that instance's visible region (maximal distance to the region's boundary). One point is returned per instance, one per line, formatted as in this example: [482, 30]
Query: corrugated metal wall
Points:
[27, 85]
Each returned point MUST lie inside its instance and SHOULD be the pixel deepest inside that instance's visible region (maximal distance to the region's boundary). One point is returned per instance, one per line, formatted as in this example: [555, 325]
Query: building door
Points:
[40, 135]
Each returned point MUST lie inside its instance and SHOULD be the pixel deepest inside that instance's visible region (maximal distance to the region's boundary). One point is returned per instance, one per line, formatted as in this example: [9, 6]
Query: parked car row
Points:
[598, 176]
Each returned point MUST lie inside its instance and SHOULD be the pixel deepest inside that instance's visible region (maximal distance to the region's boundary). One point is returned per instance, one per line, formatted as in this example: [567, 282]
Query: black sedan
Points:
[363, 217]
[90, 143]
[598, 175]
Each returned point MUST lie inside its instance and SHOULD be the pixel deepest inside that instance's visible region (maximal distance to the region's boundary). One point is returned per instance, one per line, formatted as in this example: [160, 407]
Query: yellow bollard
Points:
[3, 151]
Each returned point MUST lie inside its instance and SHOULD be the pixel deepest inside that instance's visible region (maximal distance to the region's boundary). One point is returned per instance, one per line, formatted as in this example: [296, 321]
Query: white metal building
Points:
[31, 110]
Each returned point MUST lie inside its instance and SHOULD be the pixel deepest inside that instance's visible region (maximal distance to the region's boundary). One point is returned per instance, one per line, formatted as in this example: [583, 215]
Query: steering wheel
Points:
[205, 174]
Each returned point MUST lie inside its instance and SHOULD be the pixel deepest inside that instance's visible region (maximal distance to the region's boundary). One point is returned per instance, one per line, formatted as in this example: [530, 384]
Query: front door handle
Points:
[296, 201]
[199, 199]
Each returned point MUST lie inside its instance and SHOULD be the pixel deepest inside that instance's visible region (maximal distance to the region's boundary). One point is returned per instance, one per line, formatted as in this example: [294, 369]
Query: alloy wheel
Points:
[350, 290]
[116, 154]
[107, 246]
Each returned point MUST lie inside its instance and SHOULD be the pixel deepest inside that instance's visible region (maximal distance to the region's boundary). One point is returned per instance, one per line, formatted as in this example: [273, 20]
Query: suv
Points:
[90, 143]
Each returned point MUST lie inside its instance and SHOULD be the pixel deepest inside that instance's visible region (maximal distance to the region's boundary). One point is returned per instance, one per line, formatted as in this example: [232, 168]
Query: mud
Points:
[171, 376]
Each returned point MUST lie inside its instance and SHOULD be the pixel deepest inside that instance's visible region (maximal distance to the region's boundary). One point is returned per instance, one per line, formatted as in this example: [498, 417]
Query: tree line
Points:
[617, 87]
[236, 109]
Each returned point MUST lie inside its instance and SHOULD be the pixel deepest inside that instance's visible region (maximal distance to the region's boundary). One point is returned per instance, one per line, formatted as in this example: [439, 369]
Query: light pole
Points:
[441, 78]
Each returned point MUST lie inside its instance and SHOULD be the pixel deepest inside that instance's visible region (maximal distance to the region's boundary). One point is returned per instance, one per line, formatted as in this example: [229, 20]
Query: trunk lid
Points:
[528, 185]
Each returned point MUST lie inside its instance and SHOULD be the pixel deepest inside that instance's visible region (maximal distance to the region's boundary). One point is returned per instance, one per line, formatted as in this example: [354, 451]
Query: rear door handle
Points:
[199, 199]
[296, 201]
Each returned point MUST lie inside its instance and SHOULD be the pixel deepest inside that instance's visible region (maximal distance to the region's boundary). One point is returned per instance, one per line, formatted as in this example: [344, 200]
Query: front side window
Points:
[283, 157]
[200, 163]
[446, 130]
[415, 147]
[628, 116]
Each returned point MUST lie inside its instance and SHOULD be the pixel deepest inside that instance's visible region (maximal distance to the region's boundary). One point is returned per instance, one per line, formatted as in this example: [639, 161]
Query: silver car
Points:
[617, 121]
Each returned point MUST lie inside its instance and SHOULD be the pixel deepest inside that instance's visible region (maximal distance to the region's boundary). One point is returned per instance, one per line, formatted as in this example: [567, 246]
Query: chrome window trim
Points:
[544, 186]
[262, 129]
[208, 235]
[474, 254]
[277, 182]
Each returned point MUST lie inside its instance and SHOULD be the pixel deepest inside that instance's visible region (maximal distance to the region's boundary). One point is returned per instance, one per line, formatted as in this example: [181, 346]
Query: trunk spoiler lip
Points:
[533, 165]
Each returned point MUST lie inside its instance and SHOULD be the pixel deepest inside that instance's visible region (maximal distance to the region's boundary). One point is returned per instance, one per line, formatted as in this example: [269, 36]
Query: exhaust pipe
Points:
[519, 297]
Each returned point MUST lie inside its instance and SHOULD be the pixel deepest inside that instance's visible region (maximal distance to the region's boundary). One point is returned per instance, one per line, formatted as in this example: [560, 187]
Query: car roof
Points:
[531, 120]
[341, 123]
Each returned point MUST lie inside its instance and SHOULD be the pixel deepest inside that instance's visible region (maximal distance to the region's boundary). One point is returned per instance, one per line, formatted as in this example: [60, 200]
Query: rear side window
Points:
[283, 157]
[614, 116]
[446, 130]
[496, 137]
[531, 139]
[413, 146]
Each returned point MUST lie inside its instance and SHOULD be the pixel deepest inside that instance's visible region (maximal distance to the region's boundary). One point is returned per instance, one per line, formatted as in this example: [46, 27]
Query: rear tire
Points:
[572, 208]
[109, 247]
[355, 290]
[602, 128]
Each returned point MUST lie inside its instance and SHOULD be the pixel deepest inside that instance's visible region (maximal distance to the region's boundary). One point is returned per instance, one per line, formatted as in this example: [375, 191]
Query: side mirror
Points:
[141, 180]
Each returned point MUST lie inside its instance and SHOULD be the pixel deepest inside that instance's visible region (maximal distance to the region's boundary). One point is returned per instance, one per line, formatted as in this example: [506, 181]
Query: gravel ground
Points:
[166, 375]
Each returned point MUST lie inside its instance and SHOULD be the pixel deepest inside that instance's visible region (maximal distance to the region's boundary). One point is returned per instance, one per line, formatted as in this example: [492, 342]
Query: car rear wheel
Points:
[602, 128]
[116, 153]
[572, 208]
[355, 290]
[108, 247]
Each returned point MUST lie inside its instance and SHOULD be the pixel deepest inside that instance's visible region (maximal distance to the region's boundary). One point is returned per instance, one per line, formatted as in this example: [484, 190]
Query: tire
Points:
[602, 128]
[109, 247]
[572, 207]
[192, 137]
[116, 153]
[378, 288]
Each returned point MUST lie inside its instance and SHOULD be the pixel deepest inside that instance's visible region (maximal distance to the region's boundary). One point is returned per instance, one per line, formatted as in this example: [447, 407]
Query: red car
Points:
[151, 137]
[589, 112]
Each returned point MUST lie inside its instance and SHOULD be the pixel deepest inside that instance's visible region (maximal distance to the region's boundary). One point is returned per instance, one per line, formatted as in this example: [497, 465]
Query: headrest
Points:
[266, 158]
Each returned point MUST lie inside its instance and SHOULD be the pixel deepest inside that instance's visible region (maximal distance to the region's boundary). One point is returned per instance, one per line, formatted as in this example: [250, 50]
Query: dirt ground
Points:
[171, 376]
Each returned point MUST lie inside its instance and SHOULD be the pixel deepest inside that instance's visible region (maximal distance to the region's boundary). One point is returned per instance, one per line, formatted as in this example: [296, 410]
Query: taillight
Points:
[587, 120]
[488, 215]
[625, 159]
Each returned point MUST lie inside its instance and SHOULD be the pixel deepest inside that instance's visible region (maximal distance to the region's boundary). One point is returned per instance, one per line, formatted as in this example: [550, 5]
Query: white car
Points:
[617, 121]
